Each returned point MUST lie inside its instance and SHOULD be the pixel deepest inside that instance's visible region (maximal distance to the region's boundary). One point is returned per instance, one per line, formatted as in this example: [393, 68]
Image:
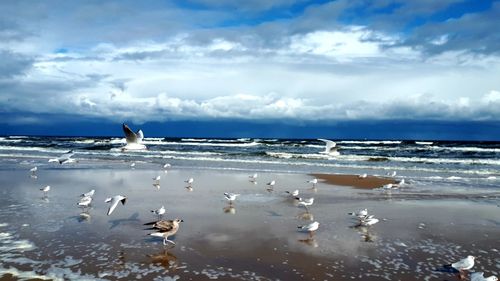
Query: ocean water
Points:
[427, 164]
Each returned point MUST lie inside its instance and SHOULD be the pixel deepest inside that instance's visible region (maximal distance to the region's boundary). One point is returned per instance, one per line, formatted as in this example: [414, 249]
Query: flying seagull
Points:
[65, 158]
[134, 140]
[114, 202]
[330, 148]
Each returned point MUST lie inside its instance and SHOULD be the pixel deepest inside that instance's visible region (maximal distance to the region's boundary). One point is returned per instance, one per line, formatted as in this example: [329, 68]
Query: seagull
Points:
[114, 202]
[132, 165]
[45, 189]
[479, 276]
[134, 140]
[165, 228]
[310, 227]
[367, 221]
[88, 194]
[159, 212]
[253, 177]
[271, 184]
[65, 158]
[230, 196]
[189, 181]
[305, 202]
[157, 178]
[166, 166]
[330, 148]
[463, 264]
[85, 201]
[33, 170]
[362, 176]
[391, 174]
[388, 186]
[360, 213]
[314, 182]
[294, 193]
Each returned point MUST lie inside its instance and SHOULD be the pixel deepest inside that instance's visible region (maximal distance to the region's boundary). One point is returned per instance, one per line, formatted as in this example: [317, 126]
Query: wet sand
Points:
[355, 181]
[256, 238]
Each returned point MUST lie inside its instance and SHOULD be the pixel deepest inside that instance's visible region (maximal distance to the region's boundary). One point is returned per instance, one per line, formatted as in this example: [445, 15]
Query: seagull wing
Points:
[140, 135]
[129, 134]
[329, 145]
[114, 203]
[461, 264]
[164, 225]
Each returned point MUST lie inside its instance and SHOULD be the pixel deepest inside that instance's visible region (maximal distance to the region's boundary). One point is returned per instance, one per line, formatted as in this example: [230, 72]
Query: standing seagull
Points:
[159, 212]
[463, 264]
[33, 170]
[85, 202]
[134, 140]
[45, 190]
[314, 182]
[253, 177]
[305, 202]
[114, 202]
[88, 194]
[311, 228]
[230, 196]
[165, 229]
[189, 181]
[330, 148]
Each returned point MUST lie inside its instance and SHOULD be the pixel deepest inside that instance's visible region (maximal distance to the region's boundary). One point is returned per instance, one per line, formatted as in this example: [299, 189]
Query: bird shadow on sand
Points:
[134, 218]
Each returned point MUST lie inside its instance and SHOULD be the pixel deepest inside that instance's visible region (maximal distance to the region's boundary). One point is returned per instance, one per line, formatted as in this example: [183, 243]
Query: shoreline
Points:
[370, 182]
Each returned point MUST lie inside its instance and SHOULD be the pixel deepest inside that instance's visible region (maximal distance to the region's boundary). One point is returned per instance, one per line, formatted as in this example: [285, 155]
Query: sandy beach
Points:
[256, 238]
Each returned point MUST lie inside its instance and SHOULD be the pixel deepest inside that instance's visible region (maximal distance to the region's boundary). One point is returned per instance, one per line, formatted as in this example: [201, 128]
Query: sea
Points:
[438, 165]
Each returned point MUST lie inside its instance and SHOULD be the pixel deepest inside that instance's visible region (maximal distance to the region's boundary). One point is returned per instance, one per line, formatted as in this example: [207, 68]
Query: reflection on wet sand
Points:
[366, 233]
[165, 258]
[307, 216]
[229, 209]
[310, 241]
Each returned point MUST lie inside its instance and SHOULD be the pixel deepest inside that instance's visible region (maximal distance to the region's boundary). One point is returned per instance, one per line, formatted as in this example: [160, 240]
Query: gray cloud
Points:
[13, 64]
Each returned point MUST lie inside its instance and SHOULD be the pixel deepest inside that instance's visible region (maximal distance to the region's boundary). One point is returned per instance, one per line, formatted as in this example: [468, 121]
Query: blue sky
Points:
[289, 65]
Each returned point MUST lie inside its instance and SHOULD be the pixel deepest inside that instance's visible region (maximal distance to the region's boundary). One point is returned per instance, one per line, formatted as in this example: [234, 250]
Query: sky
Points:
[376, 69]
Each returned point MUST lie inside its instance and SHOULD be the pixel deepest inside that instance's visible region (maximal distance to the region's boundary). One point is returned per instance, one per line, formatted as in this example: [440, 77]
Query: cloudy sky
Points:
[294, 63]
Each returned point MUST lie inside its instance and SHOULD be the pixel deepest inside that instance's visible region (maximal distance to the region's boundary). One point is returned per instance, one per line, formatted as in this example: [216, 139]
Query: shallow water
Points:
[254, 239]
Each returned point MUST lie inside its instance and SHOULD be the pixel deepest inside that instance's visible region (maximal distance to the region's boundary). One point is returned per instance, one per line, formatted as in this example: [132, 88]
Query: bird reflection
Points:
[189, 188]
[157, 185]
[34, 177]
[366, 233]
[229, 209]
[165, 258]
[84, 217]
[307, 216]
[310, 241]
[45, 199]
[134, 218]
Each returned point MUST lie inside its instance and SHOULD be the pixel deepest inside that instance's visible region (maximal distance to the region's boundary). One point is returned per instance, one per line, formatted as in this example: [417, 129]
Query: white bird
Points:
[114, 202]
[330, 148]
[391, 174]
[401, 182]
[360, 213]
[309, 227]
[479, 276]
[189, 181]
[230, 196]
[45, 189]
[64, 158]
[367, 221]
[132, 165]
[157, 178]
[305, 202]
[33, 170]
[88, 194]
[294, 193]
[134, 140]
[363, 176]
[159, 212]
[271, 183]
[166, 166]
[464, 264]
[388, 186]
[253, 177]
[314, 182]
[85, 201]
